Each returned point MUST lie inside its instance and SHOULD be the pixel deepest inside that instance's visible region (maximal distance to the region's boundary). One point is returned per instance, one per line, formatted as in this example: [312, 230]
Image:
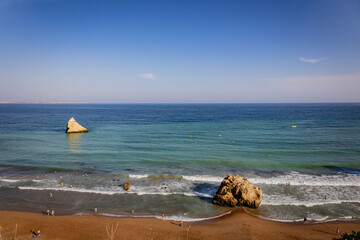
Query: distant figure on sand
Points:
[95, 211]
[52, 212]
[163, 215]
[50, 195]
[305, 220]
[48, 212]
[132, 211]
[36, 234]
[337, 231]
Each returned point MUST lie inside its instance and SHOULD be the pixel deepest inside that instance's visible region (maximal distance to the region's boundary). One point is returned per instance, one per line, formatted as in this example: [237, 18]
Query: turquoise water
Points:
[173, 173]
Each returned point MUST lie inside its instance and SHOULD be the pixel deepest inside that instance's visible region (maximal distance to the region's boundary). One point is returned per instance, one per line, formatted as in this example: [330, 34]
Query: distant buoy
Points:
[195, 142]
[219, 135]
[235, 149]
[190, 136]
[293, 126]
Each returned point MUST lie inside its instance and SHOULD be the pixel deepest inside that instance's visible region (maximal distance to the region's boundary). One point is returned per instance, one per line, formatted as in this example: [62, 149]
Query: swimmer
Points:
[61, 177]
[37, 177]
[50, 195]
[70, 186]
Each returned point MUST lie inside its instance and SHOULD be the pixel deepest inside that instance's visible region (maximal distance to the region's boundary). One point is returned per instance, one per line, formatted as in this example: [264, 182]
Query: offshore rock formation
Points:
[127, 186]
[74, 127]
[237, 191]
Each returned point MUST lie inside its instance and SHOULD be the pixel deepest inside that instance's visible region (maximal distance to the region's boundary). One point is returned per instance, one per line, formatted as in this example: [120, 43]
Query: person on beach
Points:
[337, 231]
[50, 195]
[95, 211]
[48, 212]
[36, 234]
[53, 213]
[132, 212]
[162, 215]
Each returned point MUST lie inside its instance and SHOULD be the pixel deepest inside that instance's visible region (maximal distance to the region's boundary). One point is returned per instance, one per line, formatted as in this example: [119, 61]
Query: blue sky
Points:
[119, 51]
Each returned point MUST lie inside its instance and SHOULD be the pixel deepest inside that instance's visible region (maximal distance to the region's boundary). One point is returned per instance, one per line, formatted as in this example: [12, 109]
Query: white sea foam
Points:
[9, 180]
[178, 218]
[20, 180]
[307, 203]
[298, 179]
[203, 178]
[137, 176]
[111, 192]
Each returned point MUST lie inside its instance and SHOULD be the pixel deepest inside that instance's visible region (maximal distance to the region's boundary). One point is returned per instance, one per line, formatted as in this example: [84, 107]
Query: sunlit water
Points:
[175, 157]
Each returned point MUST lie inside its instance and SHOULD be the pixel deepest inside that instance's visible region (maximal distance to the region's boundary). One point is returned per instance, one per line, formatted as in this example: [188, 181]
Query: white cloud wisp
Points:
[147, 75]
[308, 60]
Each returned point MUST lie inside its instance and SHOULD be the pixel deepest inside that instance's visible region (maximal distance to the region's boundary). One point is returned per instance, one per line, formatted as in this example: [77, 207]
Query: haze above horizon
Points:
[179, 51]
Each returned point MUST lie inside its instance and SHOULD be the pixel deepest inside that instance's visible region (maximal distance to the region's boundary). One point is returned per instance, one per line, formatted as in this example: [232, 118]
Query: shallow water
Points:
[171, 172]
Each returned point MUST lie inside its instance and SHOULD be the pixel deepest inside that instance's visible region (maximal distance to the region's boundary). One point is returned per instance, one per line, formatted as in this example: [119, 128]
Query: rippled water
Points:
[175, 157]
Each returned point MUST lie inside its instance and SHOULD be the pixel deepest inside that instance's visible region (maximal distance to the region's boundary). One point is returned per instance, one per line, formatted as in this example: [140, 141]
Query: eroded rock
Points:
[126, 186]
[74, 127]
[237, 191]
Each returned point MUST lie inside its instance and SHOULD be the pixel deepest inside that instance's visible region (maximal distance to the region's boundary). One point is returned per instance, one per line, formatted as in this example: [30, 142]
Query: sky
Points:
[130, 51]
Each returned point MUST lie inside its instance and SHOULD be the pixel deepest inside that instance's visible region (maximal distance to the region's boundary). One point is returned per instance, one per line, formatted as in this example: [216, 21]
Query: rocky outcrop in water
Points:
[127, 186]
[237, 191]
[74, 127]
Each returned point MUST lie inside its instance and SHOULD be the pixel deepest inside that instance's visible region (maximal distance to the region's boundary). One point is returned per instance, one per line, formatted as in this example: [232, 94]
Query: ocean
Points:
[305, 158]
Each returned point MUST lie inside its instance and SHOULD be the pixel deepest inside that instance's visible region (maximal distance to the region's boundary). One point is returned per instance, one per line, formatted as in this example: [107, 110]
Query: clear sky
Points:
[130, 51]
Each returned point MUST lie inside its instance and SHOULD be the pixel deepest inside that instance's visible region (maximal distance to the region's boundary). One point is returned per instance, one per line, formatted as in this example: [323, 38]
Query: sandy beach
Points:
[238, 225]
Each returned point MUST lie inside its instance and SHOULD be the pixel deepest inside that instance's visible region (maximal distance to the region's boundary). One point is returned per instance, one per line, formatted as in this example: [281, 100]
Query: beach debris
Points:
[111, 230]
[74, 127]
[237, 191]
[126, 186]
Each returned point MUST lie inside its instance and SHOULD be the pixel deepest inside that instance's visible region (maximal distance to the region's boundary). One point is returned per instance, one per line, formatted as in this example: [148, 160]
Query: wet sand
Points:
[238, 225]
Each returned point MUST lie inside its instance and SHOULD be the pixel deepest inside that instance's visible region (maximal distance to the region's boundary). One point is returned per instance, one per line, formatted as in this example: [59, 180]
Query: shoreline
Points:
[236, 225]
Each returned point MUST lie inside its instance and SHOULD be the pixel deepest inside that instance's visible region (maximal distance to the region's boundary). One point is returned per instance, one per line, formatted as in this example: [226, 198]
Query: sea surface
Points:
[305, 157]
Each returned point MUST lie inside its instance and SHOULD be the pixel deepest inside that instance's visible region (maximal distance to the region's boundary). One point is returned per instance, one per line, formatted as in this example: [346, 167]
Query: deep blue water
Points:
[175, 156]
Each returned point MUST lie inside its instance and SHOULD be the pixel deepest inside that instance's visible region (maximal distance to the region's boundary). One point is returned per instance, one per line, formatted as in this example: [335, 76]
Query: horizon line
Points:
[52, 102]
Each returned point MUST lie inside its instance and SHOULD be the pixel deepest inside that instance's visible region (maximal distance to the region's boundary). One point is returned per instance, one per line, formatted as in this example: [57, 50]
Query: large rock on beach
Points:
[127, 186]
[74, 127]
[237, 191]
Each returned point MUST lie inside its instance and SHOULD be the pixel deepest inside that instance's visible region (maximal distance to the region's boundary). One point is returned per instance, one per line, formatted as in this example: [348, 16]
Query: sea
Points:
[304, 157]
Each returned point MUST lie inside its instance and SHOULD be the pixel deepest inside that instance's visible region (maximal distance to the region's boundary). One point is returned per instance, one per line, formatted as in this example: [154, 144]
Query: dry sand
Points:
[238, 225]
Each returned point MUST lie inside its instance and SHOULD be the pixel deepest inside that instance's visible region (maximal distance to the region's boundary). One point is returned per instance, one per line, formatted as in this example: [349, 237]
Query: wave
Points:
[308, 203]
[138, 176]
[113, 192]
[299, 179]
[21, 180]
[294, 178]
[203, 178]
[178, 218]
